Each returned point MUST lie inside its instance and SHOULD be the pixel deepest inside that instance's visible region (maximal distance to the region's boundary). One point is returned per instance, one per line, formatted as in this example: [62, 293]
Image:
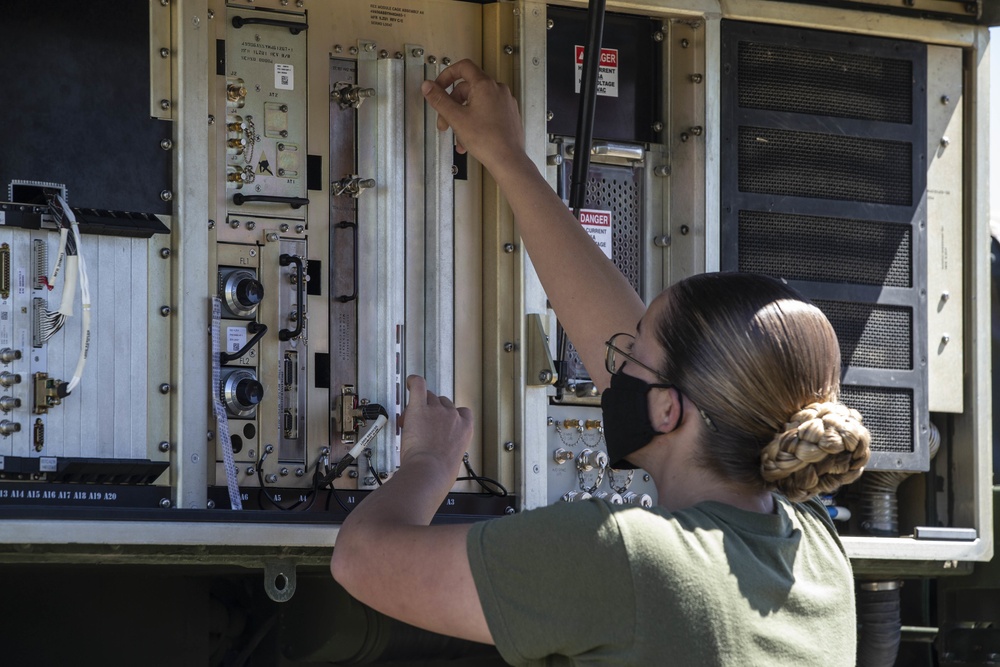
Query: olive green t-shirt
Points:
[597, 584]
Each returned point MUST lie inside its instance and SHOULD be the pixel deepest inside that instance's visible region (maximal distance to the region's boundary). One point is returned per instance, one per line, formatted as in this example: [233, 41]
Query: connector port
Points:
[5, 271]
[48, 393]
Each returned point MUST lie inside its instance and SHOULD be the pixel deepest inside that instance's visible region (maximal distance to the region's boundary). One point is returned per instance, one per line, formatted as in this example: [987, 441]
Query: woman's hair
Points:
[763, 364]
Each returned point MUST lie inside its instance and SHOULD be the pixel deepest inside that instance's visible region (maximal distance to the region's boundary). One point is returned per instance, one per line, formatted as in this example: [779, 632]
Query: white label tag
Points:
[284, 76]
[22, 282]
[236, 338]
[47, 464]
[598, 225]
[607, 71]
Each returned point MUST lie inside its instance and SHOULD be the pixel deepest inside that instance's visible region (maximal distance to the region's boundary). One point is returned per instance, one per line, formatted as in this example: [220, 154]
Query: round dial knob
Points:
[249, 392]
[249, 292]
[241, 292]
[241, 391]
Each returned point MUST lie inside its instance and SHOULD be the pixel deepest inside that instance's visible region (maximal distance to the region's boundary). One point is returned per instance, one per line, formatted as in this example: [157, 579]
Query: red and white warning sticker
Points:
[598, 225]
[607, 71]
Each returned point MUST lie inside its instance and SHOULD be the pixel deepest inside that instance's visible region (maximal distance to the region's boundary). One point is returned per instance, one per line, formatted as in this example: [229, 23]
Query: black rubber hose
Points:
[879, 625]
[588, 104]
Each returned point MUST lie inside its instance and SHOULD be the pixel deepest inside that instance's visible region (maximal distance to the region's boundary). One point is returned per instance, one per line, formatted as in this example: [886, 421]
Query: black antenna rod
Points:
[588, 104]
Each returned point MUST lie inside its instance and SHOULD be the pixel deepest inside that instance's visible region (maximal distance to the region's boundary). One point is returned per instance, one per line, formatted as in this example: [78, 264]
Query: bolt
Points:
[661, 170]
[211, 224]
[353, 474]
[165, 503]
[165, 311]
[945, 339]
[509, 510]
[446, 61]
[164, 104]
[166, 195]
[281, 172]
[369, 47]
[272, 236]
[164, 446]
[549, 116]
[164, 252]
[508, 49]
[549, 24]
[210, 504]
[251, 224]
[508, 347]
[353, 50]
[684, 230]
[368, 481]
[509, 248]
[251, 471]
[271, 479]
[383, 54]
[657, 126]
[164, 388]
[283, 227]
[945, 99]
[685, 43]
[234, 223]
[545, 376]
[210, 436]
[945, 142]
[299, 472]
[645, 478]
[284, 472]
[211, 119]
[658, 36]
[164, 52]
[417, 52]
[337, 48]
[684, 136]
[696, 78]
[697, 130]
[508, 446]
[662, 241]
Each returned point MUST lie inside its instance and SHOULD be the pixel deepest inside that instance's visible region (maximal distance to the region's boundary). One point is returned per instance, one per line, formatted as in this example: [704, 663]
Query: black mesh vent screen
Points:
[619, 194]
[840, 250]
[871, 335]
[807, 164]
[888, 414]
[827, 83]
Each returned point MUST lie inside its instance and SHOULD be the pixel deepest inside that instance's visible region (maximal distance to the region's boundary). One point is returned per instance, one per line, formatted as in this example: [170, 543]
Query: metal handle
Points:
[295, 202]
[345, 224]
[293, 27]
[300, 307]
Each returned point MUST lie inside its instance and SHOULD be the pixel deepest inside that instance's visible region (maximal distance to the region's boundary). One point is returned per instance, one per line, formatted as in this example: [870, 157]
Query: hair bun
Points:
[823, 446]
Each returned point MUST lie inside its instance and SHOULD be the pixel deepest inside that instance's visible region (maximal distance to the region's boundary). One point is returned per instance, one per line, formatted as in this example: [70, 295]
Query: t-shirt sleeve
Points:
[543, 577]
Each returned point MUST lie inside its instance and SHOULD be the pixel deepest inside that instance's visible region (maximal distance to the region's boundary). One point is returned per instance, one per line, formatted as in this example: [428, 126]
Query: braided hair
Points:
[764, 365]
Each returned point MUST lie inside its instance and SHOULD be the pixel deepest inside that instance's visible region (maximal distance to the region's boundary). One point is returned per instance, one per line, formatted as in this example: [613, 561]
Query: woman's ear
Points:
[665, 409]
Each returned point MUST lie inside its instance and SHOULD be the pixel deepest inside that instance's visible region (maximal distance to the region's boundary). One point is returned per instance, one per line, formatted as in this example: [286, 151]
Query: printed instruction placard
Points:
[598, 225]
[607, 71]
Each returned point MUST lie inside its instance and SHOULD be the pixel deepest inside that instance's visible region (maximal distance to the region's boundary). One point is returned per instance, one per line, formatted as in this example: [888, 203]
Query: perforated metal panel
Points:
[823, 186]
[798, 247]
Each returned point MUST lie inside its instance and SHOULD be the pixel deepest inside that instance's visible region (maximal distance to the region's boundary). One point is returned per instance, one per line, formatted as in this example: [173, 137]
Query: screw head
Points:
[164, 52]
[166, 195]
[165, 311]
[545, 376]
[417, 53]
[211, 119]
[549, 116]
[432, 60]
[353, 50]
[549, 24]
[353, 474]
[337, 48]
[165, 503]
[251, 224]
[271, 479]
[164, 252]
[508, 347]
[658, 36]
[509, 510]
[508, 49]
[283, 227]
[508, 446]
[211, 224]
[446, 61]
[210, 504]
[164, 446]
[300, 229]
[508, 248]
[945, 99]
[234, 223]
[685, 43]
[369, 47]
[684, 230]
[658, 126]
[299, 472]
[164, 104]
[164, 388]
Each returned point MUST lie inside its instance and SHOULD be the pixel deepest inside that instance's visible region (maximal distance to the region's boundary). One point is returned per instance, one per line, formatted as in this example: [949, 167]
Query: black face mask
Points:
[626, 417]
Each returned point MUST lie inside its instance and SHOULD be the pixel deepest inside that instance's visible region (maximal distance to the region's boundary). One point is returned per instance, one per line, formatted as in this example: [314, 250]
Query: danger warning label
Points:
[607, 71]
[598, 225]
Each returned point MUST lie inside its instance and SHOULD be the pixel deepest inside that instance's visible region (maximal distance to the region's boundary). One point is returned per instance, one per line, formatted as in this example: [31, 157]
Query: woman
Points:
[725, 392]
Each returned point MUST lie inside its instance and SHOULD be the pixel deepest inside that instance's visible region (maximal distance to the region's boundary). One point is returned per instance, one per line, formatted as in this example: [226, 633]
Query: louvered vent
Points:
[823, 179]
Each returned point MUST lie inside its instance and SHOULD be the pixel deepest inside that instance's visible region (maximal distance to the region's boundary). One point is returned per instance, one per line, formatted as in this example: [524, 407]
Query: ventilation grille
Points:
[825, 166]
[888, 414]
[871, 335]
[829, 83]
[620, 195]
[802, 247]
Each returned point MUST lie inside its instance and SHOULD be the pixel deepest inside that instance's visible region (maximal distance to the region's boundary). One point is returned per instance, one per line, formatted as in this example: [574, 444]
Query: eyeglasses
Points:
[615, 357]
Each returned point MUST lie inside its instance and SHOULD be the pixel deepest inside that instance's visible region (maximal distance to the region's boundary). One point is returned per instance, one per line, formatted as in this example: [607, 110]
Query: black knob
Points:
[249, 292]
[249, 392]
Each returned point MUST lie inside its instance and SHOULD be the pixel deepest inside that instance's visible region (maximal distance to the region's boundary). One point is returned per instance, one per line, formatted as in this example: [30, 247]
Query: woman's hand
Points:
[433, 428]
[481, 111]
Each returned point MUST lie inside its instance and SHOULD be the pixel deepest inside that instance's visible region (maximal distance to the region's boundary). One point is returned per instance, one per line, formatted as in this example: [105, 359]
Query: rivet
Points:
[164, 446]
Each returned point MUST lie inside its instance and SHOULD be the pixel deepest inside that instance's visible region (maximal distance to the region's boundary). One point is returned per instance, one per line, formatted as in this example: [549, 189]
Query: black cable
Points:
[260, 480]
[261, 329]
[371, 468]
[482, 481]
